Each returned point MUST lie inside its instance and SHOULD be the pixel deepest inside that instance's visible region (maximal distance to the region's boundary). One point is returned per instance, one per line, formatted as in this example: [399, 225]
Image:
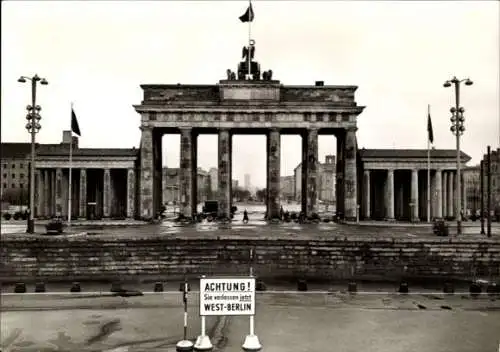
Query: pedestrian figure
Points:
[302, 217]
[286, 216]
[245, 216]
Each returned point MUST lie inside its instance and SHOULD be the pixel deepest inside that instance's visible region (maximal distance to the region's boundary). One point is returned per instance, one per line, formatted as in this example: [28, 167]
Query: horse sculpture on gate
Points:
[244, 73]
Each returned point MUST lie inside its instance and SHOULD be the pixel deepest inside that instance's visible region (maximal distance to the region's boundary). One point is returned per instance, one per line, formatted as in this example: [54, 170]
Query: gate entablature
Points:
[249, 104]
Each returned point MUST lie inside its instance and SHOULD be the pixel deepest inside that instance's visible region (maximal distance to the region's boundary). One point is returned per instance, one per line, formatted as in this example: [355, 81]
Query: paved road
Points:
[286, 321]
[254, 229]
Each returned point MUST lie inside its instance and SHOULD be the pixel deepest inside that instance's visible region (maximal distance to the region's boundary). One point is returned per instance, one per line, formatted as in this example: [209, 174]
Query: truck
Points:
[211, 207]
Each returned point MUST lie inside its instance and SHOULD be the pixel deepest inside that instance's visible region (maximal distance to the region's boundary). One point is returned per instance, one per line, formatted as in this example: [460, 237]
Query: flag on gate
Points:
[248, 16]
[75, 128]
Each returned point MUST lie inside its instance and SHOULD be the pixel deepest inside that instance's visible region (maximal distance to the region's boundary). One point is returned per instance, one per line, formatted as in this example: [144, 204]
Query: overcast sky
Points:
[97, 53]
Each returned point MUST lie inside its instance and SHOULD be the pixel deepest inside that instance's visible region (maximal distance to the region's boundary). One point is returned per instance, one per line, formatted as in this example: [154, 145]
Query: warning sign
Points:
[227, 296]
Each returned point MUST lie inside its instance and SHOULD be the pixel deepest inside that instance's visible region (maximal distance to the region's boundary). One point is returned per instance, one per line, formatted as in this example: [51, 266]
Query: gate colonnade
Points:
[248, 107]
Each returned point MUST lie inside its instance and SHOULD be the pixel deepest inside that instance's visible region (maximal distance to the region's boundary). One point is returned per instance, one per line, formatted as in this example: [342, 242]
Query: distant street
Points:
[292, 322]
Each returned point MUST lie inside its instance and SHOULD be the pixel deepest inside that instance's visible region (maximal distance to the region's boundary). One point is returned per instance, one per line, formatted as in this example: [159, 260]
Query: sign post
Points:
[185, 344]
[203, 341]
[251, 342]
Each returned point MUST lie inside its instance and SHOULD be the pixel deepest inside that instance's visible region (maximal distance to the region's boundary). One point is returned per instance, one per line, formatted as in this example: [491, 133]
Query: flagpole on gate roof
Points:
[70, 165]
[430, 138]
[249, 36]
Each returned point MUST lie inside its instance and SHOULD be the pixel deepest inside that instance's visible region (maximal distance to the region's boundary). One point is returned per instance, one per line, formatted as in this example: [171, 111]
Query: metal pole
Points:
[185, 308]
[31, 221]
[252, 321]
[251, 262]
[458, 206]
[70, 169]
[428, 182]
[203, 341]
[488, 195]
[482, 197]
[250, 11]
[251, 342]
[203, 327]
[428, 166]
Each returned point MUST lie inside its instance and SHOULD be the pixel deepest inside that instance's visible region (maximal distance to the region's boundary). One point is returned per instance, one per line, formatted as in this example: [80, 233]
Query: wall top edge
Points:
[474, 241]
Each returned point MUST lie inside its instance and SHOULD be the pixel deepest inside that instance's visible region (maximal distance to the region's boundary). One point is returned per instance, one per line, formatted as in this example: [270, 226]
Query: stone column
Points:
[224, 173]
[106, 193]
[194, 172]
[130, 193]
[112, 196]
[273, 174]
[43, 190]
[451, 181]
[366, 191]
[82, 212]
[59, 192]
[464, 195]
[46, 193]
[400, 211]
[231, 172]
[445, 193]
[303, 173]
[414, 195]
[311, 170]
[455, 193]
[49, 205]
[439, 194]
[339, 186]
[158, 173]
[186, 172]
[146, 177]
[53, 186]
[38, 194]
[65, 194]
[350, 176]
[389, 195]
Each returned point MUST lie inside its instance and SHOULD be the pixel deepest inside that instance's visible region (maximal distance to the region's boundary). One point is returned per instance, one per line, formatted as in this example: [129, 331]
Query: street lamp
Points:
[33, 126]
[457, 128]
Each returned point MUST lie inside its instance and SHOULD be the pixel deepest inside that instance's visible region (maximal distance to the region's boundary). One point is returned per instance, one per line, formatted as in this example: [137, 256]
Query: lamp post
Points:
[33, 126]
[457, 128]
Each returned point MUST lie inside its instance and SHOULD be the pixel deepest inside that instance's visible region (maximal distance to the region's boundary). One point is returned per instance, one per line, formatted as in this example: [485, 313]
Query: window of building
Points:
[4, 175]
[4, 185]
[4, 166]
[13, 166]
[22, 176]
[13, 185]
[21, 185]
[13, 175]
[21, 166]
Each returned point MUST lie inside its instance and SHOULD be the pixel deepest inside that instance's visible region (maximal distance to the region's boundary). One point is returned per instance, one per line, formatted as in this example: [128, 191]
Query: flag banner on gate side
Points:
[227, 296]
[430, 132]
[75, 127]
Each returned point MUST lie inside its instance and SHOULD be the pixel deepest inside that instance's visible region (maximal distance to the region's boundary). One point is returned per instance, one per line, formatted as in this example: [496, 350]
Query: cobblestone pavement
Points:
[320, 320]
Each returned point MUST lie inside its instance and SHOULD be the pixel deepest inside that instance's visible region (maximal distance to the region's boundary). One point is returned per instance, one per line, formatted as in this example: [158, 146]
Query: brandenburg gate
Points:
[247, 102]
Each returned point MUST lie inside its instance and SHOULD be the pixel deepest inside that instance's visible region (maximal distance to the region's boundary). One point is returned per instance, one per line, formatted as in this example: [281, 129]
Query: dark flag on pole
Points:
[429, 128]
[248, 15]
[75, 128]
